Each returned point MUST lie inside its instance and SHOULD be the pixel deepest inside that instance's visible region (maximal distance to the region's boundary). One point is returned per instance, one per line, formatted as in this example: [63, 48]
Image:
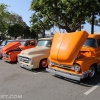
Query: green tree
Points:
[17, 25]
[39, 25]
[4, 16]
[16, 19]
[65, 14]
[59, 12]
[94, 13]
[29, 34]
[15, 30]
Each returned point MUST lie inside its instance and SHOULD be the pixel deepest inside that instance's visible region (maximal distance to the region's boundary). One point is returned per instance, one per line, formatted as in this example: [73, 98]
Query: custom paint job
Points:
[5, 42]
[75, 56]
[11, 50]
[36, 57]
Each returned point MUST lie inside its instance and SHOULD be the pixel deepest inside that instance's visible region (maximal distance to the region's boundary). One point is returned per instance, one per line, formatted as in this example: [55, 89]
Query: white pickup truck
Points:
[35, 57]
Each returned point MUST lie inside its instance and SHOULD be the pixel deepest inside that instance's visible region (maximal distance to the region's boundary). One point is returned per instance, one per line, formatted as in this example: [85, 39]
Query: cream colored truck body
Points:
[34, 57]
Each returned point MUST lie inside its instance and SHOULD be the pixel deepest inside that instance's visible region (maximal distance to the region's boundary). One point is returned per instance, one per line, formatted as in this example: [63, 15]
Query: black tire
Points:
[43, 64]
[92, 72]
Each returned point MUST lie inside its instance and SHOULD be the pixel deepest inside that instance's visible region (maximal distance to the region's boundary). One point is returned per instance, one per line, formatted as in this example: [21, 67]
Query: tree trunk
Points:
[79, 29]
[80, 23]
[92, 26]
[43, 34]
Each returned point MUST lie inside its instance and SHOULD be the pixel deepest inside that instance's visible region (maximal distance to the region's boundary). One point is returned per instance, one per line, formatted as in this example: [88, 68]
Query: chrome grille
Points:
[26, 60]
[4, 54]
[64, 66]
[23, 59]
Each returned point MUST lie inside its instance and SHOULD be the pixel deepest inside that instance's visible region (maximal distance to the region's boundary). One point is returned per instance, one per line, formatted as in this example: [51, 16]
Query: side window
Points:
[26, 43]
[98, 42]
[32, 43]
[49, 44]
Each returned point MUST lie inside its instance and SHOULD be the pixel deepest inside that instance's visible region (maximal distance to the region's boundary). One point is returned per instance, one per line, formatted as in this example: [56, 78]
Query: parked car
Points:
[5, 42]
[36, 57]
[11, 50]
[0, 42]
[76, 55]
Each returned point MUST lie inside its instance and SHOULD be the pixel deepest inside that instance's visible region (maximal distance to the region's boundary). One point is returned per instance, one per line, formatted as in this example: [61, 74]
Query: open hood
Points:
[10, 46]
[66, 46]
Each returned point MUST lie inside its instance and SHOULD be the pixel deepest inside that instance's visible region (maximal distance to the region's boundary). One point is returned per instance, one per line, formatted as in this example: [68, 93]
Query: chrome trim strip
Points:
[64, 66]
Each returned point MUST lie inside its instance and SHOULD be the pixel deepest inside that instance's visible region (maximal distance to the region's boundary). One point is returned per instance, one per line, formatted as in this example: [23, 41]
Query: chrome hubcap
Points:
[44, 63]
[91, 72]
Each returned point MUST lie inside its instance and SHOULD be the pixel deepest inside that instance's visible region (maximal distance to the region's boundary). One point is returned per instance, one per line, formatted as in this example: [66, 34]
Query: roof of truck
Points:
[96, 36]
[11, 40]
[46, 38]
[26, 39]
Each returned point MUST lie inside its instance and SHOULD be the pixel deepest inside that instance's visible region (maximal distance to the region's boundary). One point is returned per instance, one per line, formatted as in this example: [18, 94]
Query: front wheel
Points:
[92, 72]
[43, 63]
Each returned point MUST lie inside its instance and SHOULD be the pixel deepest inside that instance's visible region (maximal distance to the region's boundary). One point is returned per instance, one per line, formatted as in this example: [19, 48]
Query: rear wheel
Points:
[92, 72]
[43, 63]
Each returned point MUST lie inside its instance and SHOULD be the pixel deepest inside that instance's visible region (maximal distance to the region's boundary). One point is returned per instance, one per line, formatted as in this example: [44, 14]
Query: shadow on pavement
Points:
[36, 70]
[39, 70]
[84, 82]
[10, 62]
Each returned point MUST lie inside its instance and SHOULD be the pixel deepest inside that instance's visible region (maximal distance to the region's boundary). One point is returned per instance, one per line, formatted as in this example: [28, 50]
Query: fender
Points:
[86, 62]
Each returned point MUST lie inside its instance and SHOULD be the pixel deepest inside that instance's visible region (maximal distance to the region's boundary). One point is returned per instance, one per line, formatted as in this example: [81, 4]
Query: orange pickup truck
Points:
[75, 55]
[11, 50]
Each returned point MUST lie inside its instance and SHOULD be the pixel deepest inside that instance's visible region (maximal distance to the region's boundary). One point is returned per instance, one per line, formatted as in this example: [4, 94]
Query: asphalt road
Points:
[20, 84]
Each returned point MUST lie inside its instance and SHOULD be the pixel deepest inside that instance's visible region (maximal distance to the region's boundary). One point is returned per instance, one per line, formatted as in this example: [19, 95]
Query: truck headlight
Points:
[30, 61]
[76, 67]
[19, 58]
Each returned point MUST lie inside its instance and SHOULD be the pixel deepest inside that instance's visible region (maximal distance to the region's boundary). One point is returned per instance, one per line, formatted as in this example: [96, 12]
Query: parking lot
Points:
[41, 85]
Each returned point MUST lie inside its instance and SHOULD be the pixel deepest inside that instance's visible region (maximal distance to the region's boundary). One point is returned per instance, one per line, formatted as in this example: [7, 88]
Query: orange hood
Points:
[10, 46]
[66, 46]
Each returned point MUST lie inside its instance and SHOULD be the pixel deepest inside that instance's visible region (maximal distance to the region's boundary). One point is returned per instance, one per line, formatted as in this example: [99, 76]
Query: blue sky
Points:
[21, 7]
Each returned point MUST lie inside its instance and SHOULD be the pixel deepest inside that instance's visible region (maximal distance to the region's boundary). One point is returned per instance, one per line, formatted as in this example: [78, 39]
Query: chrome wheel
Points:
[92, 72]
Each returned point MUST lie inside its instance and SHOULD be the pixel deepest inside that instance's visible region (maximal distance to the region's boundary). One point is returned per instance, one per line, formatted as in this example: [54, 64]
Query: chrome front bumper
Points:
[67, 75]
[26, 66]
[6, 60]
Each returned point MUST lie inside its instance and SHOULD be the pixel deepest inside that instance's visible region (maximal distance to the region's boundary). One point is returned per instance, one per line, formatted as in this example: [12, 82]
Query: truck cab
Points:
[76, 55]
[36, 57]
[11, 50]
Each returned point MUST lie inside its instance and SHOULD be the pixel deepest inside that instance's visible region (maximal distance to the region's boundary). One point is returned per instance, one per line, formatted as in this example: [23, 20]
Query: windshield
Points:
[46, 43]
[90, 42]
[8, 42]
[23, 43]
[3, 43]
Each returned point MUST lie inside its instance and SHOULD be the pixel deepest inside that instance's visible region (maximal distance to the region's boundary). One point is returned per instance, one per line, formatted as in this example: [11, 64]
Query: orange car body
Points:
[11, 50]
[73, 54]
